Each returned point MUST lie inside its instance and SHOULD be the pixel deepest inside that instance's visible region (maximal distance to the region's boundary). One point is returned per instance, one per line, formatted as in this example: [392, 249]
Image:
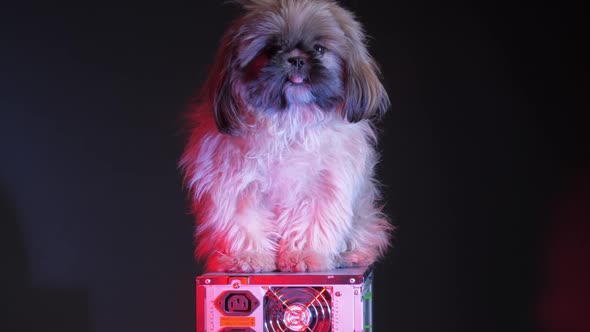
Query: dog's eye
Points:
[319, 49]
[271, 51]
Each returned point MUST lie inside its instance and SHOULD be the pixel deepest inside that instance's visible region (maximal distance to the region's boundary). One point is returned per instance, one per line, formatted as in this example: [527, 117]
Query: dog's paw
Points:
[304, 261]
[243, 262]
[356, 258]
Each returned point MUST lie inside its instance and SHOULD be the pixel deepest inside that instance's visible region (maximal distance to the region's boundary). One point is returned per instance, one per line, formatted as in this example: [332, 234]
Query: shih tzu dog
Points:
[280, 158]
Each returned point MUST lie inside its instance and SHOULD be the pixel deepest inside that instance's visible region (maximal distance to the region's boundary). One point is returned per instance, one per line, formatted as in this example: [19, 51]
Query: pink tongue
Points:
[296, 79]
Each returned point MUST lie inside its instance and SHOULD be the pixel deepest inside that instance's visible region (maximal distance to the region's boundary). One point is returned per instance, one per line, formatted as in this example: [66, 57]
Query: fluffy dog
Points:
[280, 158]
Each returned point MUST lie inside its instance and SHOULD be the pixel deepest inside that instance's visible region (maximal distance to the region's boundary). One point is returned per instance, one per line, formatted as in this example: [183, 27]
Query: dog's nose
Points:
[297, 61]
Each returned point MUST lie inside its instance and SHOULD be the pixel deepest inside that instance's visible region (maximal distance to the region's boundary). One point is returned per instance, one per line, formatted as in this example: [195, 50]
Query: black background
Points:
[487, 126]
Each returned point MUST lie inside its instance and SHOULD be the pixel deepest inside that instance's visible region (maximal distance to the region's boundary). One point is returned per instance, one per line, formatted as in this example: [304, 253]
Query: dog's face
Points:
[297, 66]
[285, 53]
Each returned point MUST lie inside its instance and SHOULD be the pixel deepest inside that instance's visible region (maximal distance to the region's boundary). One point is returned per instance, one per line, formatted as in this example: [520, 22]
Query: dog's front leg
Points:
[235, 234]
[314, 232]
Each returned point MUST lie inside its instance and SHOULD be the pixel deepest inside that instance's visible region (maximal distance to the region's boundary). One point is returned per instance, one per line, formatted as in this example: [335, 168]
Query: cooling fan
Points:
[295, 309]
[338, 300]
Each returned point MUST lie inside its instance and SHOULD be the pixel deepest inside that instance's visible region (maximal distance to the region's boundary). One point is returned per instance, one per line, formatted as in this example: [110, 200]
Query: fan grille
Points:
[296, 309]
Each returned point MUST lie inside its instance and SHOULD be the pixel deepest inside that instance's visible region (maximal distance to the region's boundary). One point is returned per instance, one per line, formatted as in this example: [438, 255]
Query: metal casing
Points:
[331, 301]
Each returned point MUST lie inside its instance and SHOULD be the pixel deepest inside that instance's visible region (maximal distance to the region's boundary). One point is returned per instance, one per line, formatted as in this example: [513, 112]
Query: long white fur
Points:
[295, 191]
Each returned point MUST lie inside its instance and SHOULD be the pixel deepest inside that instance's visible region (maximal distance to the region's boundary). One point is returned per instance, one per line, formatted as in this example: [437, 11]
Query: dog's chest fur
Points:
[282, 169]
[287, 167]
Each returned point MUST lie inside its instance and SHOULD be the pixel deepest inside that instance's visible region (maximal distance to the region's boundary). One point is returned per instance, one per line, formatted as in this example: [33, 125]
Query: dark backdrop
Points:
[484, 136]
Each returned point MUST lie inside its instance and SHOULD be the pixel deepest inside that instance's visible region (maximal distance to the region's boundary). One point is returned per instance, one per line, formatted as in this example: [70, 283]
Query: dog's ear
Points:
[365, 95]
[221, 93]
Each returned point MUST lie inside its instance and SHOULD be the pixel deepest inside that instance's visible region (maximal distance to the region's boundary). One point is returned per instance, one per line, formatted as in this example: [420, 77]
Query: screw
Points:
[352, 280]
[207, 281]
[338, 294]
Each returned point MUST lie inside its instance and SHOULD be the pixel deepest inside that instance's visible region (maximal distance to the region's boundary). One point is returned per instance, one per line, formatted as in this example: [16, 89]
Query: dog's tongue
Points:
[296, 79]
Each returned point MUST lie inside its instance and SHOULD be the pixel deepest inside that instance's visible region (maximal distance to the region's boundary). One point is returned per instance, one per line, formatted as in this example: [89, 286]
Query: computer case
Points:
[331, 301]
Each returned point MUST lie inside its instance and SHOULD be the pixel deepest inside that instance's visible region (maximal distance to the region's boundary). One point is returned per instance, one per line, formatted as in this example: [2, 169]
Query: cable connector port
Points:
[236, 303]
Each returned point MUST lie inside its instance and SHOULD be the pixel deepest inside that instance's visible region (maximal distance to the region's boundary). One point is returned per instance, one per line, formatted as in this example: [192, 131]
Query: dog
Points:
[281, 152]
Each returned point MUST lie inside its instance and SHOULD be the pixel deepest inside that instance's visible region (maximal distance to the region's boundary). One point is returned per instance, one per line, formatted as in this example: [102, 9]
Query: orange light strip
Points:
[316, 298]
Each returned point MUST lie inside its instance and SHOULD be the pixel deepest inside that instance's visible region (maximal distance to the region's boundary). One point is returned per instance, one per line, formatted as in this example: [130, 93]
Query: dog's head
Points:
[285, 53]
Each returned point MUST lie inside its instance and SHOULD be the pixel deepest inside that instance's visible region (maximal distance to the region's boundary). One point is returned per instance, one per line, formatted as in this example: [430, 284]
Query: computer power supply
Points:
[332, 301]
